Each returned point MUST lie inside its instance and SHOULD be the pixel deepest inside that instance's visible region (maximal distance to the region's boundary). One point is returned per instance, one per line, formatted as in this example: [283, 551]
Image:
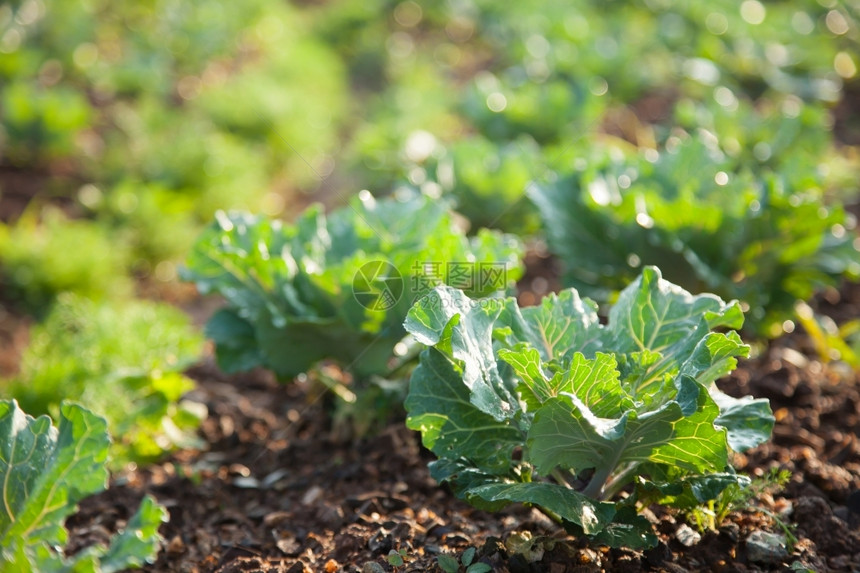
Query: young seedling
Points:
[713, 514]
[467, 563]
[397, 557]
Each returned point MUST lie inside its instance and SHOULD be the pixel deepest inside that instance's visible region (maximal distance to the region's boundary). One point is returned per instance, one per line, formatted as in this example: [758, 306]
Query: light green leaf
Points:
[566, 434]
[45, 471]
[660, 326]
[139, 541]
[653, 314]
[697, 444]
[714, 357]
[439, 407]
[595, 382]
[561, 324]
[448, 319]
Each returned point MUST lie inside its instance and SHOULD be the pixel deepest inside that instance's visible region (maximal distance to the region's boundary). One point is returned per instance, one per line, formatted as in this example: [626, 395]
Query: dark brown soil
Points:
[275, 492]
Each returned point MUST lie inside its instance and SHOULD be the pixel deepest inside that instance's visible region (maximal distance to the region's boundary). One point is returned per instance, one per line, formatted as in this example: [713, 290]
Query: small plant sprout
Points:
[467, 563]
[712, 514]
[397, 557]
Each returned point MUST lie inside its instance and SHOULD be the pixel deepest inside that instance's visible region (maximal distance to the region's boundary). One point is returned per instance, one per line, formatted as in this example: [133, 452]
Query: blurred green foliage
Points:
[712, 224]
[199, 106]
[43, 259]
[196, 106]
[123, 361]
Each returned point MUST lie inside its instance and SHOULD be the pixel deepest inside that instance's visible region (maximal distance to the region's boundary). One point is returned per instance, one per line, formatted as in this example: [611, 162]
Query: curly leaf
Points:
[595, 382]
[561, 324]
[596, 405]
[455, 325]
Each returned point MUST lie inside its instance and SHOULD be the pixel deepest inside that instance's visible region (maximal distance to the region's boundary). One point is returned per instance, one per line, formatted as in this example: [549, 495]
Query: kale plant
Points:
[547, 406]
[767, 241]
[44, 472]
[336, 286]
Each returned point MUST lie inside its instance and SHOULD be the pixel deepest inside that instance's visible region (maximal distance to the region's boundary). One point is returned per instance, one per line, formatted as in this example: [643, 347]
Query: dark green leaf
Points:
[568, 504]
[447, 563]
[749, 421]
[627, 530]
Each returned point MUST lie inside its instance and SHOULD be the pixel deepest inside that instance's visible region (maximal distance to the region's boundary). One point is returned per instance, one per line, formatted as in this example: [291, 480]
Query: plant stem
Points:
[618, 481]
[340, 390]
[594, 489]
[559, 477]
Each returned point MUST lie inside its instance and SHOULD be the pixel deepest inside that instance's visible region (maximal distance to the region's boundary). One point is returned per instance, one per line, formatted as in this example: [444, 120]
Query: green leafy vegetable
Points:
[337, 286]
[710, 227]
[124, 361]
[488, 181]
[507, 397]
[506, 107]
[45, 471]
[449, 563]
[36, 263]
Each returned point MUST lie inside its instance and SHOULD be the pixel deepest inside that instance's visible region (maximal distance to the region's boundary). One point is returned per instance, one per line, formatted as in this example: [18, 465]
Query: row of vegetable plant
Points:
[703, 145]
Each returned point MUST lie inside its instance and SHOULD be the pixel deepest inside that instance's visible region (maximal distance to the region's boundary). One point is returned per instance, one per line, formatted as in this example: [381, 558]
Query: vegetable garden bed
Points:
[402, 377]
[275, 492]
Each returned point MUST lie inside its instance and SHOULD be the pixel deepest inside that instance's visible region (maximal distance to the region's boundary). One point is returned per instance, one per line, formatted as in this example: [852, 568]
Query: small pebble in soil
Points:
[372, 567]
[686, 536]
[312, 495]
[766, 547]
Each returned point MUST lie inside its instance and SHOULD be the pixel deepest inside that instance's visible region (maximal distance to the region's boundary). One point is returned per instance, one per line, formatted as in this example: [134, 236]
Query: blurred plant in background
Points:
[174, 108]
[44, 259]
[124, 361]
